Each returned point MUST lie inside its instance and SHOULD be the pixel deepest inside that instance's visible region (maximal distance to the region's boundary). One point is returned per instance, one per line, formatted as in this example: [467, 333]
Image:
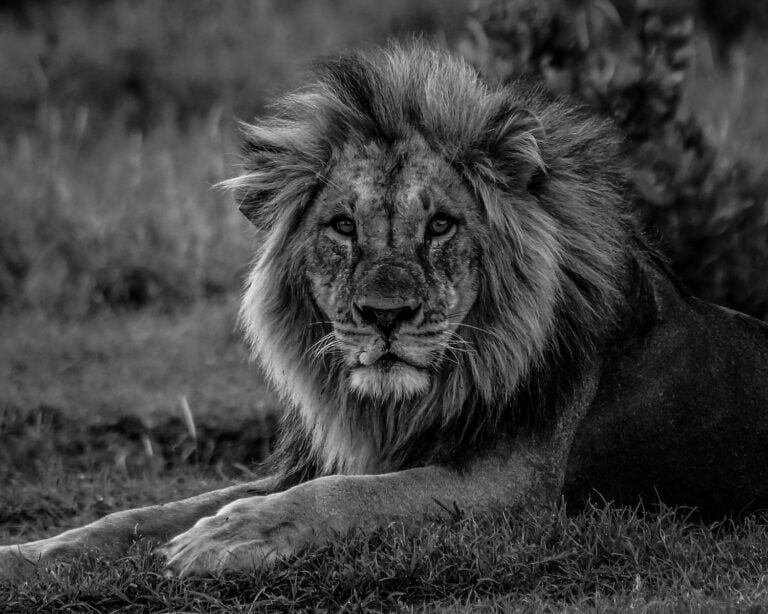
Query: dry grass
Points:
[137, 364]
[127, 221]
[147, 63]
[118, 118]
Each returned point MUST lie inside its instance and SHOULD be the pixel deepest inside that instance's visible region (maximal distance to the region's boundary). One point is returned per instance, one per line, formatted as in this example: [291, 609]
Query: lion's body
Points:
[450, 290]
[681, 413]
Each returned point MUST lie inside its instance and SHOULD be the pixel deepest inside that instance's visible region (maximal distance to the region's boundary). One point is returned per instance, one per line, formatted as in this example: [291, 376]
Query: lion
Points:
[456, 304]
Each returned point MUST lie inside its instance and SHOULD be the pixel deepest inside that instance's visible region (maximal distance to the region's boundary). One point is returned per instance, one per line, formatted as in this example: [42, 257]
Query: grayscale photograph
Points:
[383, 306]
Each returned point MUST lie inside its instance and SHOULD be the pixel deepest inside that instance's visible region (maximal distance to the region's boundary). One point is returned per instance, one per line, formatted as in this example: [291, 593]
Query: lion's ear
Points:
[515, 147]
[278, 177]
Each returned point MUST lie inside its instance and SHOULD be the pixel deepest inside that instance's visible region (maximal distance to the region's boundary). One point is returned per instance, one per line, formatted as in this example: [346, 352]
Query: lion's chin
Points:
[396, 381]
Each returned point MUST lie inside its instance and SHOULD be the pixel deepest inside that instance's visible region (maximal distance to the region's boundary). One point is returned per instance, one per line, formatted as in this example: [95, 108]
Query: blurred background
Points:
[120, 267]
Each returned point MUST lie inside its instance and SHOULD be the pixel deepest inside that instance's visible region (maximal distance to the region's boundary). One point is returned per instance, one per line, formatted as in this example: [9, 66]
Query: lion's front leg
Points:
[254, 531]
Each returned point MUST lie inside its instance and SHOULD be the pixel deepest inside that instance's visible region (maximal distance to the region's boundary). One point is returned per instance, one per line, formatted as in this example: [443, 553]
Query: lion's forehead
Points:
[393, 190]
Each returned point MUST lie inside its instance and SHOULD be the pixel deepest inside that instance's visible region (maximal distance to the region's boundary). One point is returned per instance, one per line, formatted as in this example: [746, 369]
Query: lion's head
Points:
[435, 252]
[393, 265]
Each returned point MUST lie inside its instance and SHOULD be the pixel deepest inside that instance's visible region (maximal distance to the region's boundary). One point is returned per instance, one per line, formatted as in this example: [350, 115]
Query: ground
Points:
[61, 468]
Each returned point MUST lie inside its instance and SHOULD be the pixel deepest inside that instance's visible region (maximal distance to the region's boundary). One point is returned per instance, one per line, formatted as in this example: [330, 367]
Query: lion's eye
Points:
[439, 225]
[343, 225]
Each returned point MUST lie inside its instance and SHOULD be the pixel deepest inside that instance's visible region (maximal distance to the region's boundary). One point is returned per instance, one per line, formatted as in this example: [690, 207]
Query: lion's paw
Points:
[244, 535]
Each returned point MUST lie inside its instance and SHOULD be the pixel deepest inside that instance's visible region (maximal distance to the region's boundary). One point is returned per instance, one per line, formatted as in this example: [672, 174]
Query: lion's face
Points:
[392, 262]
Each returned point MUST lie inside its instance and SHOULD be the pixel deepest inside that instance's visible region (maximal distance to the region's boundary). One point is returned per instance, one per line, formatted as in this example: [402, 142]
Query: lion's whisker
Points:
[320, 347]
[456, 313]
[465, 351]
[482, 330]
[453, 358]
[454, 336]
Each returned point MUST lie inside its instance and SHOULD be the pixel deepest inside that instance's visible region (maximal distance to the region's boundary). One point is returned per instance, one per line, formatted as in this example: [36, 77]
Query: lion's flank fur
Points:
[555, 263]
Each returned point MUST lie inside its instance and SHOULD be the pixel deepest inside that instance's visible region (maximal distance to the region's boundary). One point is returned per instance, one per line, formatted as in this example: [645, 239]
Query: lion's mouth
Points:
[390, 360]
[384, 371]
[386, 361]
[387, 374]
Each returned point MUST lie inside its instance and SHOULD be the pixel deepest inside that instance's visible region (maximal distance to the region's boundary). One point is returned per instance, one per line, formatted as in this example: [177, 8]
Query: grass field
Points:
[70, 456]
[603, 560]
[132, 363]
[123, 380]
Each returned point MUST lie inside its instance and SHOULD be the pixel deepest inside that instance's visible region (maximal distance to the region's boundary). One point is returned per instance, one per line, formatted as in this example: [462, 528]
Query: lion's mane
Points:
[555, 269]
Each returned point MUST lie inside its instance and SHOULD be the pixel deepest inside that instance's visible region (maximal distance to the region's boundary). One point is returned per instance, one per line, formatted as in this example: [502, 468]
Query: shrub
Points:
[711, 213]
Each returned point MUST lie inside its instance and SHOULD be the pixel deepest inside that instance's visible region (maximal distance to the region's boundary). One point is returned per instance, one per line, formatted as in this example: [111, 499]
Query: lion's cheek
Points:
[463, 293]
[328, 273]
[326, 295]
[454, 277]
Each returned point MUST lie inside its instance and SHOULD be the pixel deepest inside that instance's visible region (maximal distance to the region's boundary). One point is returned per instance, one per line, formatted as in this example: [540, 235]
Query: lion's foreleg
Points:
[253, 531]
[115, 532]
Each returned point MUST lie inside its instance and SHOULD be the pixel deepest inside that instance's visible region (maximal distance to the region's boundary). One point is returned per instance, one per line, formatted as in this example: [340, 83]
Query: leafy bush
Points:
[712, 213]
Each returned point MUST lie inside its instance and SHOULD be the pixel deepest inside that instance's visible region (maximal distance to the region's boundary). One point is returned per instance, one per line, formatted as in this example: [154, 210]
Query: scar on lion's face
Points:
[393, 264]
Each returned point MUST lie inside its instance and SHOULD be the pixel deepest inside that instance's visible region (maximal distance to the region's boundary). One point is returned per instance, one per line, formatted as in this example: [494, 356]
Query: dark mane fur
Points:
[560, 265]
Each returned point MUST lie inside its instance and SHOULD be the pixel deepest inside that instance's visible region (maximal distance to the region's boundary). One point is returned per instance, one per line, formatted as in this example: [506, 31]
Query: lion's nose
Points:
[386, 316]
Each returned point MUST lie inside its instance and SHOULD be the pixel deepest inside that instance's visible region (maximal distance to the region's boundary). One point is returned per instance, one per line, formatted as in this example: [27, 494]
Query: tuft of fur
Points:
[559, 256]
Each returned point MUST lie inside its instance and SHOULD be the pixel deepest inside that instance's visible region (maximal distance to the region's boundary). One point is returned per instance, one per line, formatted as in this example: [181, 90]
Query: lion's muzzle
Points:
[386, 316]
[388, 299]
